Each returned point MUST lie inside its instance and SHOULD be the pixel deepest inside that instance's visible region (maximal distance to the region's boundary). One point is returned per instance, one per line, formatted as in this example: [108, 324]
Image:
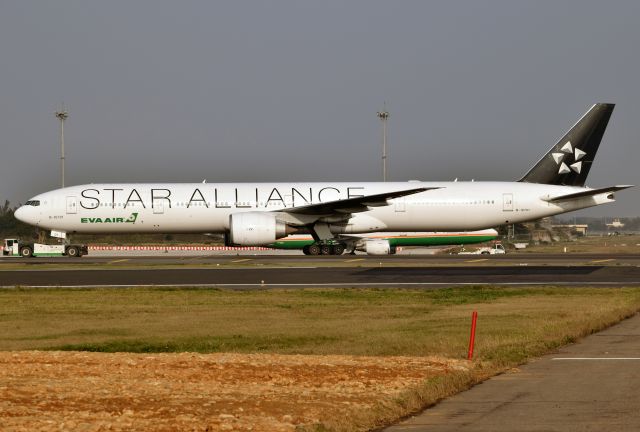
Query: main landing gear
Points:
[324, 249]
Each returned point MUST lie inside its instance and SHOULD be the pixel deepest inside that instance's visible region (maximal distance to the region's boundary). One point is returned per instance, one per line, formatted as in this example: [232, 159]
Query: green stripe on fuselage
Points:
[398, 241]
[439, 240]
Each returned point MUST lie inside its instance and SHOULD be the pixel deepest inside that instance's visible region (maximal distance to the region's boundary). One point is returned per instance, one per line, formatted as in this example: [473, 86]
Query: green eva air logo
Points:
[131, 219]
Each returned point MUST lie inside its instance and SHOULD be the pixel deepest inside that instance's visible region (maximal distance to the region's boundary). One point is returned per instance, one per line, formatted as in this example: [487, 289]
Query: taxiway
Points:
[268, 271]
[385, 276]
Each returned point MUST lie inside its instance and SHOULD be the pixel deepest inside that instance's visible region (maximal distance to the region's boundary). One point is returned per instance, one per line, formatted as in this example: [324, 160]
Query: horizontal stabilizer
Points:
[587, 193]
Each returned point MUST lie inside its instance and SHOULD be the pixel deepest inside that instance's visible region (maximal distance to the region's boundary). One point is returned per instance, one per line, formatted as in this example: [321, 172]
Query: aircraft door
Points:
[507, 202]
[158, 207]
[400, 205]
[72, 205]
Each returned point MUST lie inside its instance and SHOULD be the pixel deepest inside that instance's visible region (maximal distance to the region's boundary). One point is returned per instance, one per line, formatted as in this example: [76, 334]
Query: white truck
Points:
[492, 250]
[25, 249]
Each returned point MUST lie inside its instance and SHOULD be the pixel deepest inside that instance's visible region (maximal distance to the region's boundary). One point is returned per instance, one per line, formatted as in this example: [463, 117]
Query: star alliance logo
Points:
[565, 151]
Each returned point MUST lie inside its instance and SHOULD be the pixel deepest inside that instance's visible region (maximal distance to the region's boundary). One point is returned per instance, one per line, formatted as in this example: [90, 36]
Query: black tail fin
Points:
[569, 161]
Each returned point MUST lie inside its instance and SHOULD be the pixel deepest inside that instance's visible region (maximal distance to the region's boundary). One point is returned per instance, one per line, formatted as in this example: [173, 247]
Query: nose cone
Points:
[21, 214]
[27, 214]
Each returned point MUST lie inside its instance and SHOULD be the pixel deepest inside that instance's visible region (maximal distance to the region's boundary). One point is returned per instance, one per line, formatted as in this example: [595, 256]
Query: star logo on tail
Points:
[565, 152]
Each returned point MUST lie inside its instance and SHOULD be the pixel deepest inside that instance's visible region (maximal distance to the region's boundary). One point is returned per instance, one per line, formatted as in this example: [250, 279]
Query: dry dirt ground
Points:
[82, 391]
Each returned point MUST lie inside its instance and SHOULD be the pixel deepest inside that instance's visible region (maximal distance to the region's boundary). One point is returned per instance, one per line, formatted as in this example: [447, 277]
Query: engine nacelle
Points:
[255, 228]
[378, 247]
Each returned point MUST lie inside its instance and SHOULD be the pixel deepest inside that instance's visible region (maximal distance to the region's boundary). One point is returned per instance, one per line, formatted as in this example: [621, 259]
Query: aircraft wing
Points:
[587, 193]
[352, 205]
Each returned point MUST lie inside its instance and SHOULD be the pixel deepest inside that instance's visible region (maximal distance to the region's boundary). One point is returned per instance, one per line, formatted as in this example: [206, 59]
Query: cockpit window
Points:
[34, 203]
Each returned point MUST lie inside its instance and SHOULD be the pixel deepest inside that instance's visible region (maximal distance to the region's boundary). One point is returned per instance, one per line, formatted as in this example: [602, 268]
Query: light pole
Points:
[62, 115]
[384, 115]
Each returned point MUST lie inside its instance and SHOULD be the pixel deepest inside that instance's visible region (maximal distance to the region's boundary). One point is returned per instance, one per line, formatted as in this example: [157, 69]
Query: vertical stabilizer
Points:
[569, 161]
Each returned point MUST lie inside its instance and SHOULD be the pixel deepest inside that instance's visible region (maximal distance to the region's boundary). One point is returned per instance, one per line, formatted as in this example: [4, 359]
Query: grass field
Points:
[514, 324]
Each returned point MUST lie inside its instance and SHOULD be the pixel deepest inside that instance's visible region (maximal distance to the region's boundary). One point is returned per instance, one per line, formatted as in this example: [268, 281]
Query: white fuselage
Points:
[205, 207]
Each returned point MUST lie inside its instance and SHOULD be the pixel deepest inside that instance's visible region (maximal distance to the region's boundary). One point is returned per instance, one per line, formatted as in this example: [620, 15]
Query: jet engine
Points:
[377, 247]
[256, 228]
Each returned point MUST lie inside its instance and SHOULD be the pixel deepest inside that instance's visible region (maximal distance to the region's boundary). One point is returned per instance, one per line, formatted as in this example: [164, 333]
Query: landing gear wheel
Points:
[305, 250]
[73, 252]
[314, 249]
[326, 250]
[26, 252]
[338, 249]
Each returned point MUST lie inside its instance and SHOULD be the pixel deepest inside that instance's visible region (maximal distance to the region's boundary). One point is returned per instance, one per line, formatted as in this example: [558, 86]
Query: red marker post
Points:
[472, 338]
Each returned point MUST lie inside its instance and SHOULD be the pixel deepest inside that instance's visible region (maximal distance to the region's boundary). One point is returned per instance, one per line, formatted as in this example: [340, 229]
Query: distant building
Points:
[581, 229]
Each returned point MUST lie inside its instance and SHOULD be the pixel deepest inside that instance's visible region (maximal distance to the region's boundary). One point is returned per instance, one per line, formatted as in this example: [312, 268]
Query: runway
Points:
[269, 271]
[386, 276]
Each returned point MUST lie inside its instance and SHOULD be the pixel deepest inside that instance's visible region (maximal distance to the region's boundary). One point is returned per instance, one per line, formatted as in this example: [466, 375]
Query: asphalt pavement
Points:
[383, 276]
[588, 386]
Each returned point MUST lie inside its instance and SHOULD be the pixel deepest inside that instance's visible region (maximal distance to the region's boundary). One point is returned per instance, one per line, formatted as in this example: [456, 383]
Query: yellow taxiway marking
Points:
[241, 260]
[355, 259]
[478, 260]
[603, 260]
[118, 260]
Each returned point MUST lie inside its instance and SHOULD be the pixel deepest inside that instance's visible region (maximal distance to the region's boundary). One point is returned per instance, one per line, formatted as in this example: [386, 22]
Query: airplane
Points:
[257, 214]
[387, 243]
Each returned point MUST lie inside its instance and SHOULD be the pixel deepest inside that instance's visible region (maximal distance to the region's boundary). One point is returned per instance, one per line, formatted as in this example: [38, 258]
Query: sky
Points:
[166, 91]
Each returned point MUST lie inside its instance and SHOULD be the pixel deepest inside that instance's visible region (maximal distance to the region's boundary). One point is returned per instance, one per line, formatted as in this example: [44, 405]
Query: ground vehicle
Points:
[492, 250]
[16, 247]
